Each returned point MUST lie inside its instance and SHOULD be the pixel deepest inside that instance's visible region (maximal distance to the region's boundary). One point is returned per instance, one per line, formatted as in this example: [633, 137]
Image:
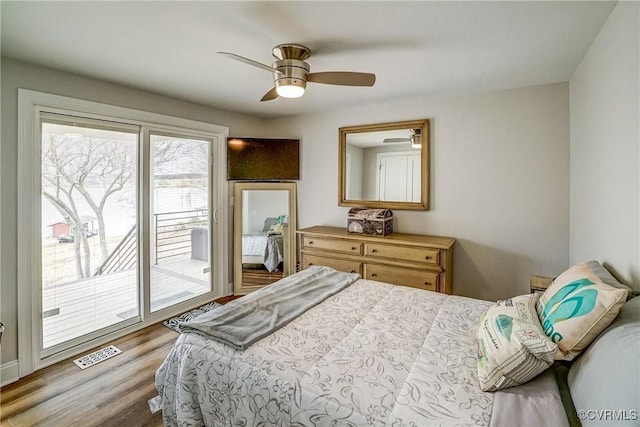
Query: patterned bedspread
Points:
[269, 247]
[374, 354]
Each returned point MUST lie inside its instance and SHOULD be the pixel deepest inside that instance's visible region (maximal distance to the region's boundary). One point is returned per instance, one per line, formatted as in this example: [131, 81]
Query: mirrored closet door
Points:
[264, 234]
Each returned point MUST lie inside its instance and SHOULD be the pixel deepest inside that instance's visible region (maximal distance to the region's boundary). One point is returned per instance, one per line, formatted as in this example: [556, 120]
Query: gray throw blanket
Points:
[252, 317]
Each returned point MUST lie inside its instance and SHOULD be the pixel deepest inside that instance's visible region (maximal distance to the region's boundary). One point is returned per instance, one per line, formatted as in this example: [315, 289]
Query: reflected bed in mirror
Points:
[385, 165]
[264, 234]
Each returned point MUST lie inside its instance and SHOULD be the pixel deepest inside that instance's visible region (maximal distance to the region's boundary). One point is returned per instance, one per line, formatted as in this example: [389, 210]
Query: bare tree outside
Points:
[90, 171]
[87, 169]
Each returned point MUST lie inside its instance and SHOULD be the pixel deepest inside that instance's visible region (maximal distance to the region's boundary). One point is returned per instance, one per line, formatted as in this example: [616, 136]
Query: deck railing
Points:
[176, 233]
[180, 233]
[123, 257]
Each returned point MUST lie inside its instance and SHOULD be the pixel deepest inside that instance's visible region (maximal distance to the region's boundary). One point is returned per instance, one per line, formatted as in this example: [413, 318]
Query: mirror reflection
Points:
[264, 235]
[385, 165]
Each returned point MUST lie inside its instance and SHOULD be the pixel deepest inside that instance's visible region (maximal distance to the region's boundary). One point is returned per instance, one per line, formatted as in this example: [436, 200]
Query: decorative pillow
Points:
[268, 222]
[276, 229]
[576, 307]
[512, 347]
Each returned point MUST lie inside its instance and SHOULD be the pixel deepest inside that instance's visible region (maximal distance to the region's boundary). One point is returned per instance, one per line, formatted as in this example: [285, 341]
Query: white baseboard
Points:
[9, 373]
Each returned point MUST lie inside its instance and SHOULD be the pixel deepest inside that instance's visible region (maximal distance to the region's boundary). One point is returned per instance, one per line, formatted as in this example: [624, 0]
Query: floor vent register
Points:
[97, 356]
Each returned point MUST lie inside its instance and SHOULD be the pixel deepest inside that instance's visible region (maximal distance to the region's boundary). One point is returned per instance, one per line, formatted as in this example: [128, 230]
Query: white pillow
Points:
[576, 307]
[512, 347]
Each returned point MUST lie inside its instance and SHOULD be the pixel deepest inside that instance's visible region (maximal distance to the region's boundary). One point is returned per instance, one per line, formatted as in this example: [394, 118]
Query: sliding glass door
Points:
[122, 222]
[180, 209]
[89, 227]
[95, 211]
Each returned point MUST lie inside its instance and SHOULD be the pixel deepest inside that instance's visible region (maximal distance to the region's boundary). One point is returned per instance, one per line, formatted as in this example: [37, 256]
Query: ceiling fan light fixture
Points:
[290, 88]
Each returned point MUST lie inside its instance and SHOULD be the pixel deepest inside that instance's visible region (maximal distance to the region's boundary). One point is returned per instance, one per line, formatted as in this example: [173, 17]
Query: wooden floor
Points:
[112, 393]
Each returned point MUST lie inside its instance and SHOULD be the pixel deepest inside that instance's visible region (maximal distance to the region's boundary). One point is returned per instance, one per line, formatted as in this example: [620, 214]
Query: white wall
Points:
[499, 180]
[605, 136]
[21, 75]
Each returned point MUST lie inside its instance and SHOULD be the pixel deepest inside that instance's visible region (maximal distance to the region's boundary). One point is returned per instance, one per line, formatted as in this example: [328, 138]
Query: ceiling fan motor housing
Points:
[291, 72]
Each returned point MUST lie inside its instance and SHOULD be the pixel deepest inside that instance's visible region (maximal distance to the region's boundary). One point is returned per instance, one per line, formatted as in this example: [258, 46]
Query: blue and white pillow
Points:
[576, 308]
[512, 347]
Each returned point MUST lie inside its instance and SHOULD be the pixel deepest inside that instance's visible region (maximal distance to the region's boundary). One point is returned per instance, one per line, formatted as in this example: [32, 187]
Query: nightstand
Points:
[539, 283]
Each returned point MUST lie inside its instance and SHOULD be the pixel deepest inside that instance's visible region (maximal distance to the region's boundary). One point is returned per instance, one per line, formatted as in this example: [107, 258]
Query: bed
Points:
[263, 248]
[369, 354]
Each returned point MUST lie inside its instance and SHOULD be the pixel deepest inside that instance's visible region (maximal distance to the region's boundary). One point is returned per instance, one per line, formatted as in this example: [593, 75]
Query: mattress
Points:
[374, 354]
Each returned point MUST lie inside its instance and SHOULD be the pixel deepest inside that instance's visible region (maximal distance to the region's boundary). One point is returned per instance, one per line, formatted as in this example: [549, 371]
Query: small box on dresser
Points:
[377, 222]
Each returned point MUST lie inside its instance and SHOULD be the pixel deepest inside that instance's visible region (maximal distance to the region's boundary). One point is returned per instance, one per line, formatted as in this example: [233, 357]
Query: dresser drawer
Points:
[404, 253]
[402, 276]
[338, 264]
[334, 245]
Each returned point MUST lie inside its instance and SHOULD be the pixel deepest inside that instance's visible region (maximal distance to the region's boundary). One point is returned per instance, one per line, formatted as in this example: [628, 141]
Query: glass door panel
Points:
[89, 211]
[180, 211]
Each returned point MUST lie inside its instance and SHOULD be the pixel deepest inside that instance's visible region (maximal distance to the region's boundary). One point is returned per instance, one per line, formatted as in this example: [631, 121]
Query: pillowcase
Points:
[512, 347]
[268, 222]
[606, 277]
[605, 376]
[576, 307]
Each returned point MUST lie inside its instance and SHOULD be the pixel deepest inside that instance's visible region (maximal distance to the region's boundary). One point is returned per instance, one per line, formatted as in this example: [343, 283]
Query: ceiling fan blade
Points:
[272, 94]
[386, 140]
[344, 78]
[248, 61]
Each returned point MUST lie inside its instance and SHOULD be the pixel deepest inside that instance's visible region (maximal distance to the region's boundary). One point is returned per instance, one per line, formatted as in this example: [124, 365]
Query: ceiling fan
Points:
[291, 73]
[414, 139]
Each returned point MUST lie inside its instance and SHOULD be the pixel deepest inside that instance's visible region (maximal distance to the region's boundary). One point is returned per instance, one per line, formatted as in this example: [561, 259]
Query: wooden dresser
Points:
[419, 261]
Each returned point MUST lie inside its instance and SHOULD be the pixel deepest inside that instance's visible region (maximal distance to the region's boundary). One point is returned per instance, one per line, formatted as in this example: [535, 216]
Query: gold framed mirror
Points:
[385, 165]
[264, 234]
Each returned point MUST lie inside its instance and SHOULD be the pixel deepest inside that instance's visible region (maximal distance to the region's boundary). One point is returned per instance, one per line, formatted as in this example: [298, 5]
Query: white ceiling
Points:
[414, 48]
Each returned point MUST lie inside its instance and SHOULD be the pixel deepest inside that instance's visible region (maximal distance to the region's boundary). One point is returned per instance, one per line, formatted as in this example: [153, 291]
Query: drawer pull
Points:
[310, 264]
[427, 283]
[374, 275]
[311, 242]
[373, 251]
[427, 257]
[353, 271]
[353, 248]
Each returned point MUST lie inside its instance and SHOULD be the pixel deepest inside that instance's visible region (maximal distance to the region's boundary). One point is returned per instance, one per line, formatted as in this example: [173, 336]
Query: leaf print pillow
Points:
[512, 347]
[576, 307]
